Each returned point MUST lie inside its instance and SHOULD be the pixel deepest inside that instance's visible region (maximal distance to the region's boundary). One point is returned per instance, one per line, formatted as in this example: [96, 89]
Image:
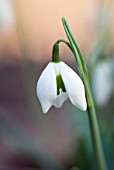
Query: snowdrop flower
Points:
[6, 14]
[102, 82]
[57, 83]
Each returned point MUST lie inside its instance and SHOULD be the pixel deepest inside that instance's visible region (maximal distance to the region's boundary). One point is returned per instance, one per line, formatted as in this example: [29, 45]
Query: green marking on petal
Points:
[60, 84]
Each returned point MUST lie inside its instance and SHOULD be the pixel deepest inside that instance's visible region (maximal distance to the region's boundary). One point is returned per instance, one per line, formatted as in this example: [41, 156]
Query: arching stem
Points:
[95, 133]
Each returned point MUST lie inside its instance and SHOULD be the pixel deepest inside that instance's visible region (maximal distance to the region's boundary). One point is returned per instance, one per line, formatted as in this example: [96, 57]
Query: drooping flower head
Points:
[57, 83]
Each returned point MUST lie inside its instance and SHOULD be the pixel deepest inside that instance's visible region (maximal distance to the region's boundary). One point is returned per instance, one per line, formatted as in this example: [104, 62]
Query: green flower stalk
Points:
[97, 145]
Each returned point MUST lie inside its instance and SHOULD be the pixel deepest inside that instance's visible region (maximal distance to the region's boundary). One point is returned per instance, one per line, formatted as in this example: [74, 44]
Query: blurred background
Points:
[61, 139]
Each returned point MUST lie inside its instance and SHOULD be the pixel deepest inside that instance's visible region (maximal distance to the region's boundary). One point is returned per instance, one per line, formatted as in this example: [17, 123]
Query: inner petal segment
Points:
[60, 84]
[61, 98]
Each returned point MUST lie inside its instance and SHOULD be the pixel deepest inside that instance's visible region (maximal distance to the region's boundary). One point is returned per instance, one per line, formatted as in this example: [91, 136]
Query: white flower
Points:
[58, 82]
[102, 82]
[6, 14]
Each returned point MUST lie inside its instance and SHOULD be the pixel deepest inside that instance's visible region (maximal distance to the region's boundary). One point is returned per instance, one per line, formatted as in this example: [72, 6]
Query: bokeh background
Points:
[61, 139]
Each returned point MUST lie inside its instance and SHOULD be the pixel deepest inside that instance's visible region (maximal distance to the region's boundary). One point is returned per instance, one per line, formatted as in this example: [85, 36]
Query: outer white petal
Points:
[61, 98]
[46, 87]
[74, 86]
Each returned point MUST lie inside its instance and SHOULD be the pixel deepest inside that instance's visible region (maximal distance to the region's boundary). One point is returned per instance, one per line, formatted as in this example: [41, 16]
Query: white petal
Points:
[74, 86]
[61, 98]
[46, 87]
